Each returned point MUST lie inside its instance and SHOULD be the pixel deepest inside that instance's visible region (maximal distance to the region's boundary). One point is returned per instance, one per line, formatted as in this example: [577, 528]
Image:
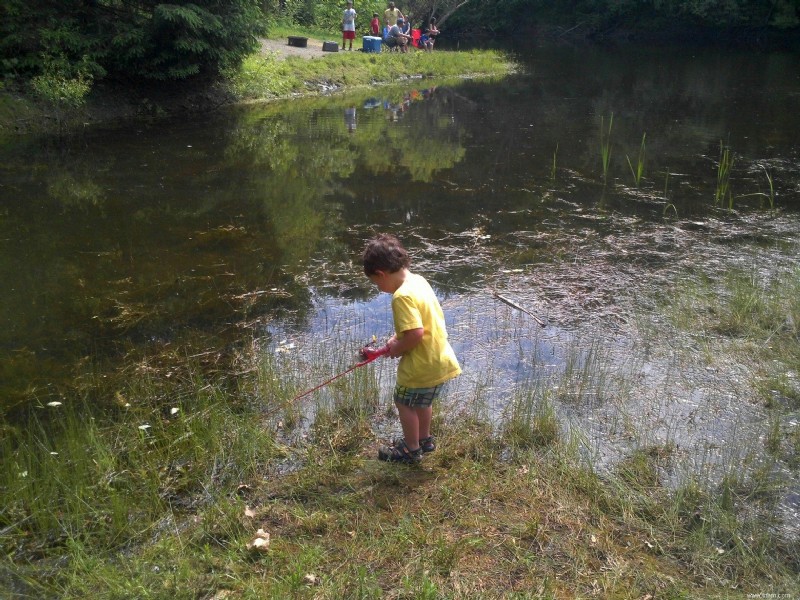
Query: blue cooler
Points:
[372, 43]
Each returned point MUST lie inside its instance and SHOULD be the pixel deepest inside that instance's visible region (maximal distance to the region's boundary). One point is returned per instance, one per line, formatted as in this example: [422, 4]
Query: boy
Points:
[426, 359]
[348, 25]
[375, 25]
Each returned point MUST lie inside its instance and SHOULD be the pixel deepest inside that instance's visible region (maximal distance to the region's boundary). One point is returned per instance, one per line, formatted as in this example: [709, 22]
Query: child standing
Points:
[427, 360]
[348, 24]
[375, 25]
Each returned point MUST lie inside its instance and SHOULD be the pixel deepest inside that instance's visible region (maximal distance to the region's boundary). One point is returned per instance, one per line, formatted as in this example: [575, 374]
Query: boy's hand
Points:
[399, 346]
[370, 353]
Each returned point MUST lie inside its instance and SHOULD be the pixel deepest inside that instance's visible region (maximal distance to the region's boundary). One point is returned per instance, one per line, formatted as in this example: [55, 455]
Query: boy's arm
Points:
[410, 340]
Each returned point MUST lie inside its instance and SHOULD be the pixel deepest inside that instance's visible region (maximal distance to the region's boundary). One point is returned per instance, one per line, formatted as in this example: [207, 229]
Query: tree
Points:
[126, 38]
[440, 9]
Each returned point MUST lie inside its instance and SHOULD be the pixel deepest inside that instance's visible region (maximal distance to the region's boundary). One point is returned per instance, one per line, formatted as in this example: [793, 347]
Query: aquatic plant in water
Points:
[668, 205]
[553, 167]
[605, 145]
[638, 172]
[771, 187]
[724, 168]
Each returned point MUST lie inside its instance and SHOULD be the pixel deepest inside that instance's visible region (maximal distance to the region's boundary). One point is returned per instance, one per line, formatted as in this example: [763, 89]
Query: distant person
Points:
[348, 25]
[428, 37]
[396, 38]
[427, 360]
[350, 119]
[391, 15]
[375, 25]
[406, 28]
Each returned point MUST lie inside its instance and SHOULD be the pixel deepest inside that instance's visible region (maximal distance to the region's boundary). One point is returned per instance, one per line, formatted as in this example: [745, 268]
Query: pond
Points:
[588, 189]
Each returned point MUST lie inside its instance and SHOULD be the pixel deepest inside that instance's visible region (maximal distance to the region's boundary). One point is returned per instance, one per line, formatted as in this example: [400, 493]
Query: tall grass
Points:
[723, 193]
[82, 482]
[553, 166]
[668, 204]
[771, 195]
[530, 420]
[605, 145]
[638, 172]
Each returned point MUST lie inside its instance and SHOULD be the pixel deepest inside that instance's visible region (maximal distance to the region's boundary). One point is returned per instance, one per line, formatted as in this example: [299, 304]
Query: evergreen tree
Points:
[142, 39]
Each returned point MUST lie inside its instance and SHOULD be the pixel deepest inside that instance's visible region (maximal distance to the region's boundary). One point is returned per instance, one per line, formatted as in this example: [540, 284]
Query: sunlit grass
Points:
[771, 195]
[638, 171]
[668, 205]
[171, 507]
[265, 77]
[84, 483]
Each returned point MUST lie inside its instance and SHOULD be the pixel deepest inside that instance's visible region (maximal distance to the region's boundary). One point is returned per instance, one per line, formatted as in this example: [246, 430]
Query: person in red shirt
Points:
[375, 25]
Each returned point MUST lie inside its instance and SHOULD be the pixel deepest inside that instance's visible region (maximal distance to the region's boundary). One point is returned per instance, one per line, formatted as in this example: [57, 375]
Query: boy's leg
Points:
[410, 422]
[424, 418]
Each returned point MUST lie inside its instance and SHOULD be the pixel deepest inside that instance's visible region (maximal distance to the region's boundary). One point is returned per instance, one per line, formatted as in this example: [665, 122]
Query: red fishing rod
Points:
[367, 353]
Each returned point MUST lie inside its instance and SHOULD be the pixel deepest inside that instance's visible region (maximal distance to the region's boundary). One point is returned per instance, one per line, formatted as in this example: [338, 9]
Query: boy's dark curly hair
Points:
[385, 253]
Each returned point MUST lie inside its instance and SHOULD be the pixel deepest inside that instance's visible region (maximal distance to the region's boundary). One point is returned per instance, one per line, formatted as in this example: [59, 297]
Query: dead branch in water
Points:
[518, 307]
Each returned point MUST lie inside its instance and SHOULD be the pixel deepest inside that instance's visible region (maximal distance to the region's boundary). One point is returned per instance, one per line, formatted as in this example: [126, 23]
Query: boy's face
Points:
[381, 281]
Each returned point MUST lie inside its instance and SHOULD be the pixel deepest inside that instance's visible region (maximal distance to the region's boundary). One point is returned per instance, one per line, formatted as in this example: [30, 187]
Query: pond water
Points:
[201, 231]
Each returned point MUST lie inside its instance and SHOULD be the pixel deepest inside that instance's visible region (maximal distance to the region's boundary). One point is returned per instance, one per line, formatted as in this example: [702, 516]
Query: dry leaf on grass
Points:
[260, 542]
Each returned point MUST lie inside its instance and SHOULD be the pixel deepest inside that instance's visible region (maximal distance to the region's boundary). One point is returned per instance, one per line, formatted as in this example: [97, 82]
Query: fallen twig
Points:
[518, 307]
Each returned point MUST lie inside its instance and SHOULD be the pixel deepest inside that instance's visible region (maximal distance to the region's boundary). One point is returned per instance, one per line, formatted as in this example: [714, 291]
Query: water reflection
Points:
[175, 229]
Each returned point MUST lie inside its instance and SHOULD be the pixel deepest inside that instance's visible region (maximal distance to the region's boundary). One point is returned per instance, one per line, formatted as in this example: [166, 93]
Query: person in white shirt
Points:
[348, 25]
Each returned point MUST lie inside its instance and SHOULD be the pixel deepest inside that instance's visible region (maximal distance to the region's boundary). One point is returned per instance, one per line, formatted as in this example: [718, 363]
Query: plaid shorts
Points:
[416, 397]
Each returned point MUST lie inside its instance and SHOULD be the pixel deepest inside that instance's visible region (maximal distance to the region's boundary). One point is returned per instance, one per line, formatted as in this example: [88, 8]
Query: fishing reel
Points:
[370, 352]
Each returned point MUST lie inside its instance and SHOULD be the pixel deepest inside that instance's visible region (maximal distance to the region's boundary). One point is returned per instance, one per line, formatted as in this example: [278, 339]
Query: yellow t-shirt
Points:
[390, 16]
[432, 361]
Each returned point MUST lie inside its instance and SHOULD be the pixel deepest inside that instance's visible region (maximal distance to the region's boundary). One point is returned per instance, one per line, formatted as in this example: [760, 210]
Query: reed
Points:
[530, 420]
[605, 145]
[553, 166]
[585, 378]
[668, 204]
[771, 195]
[638, 172]
[723, 193]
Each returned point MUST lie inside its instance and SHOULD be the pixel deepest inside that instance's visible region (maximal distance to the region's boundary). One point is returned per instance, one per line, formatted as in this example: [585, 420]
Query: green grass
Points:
[501, 509]
[263, 77]
[723, 194]
[638, 171]
[94, 504]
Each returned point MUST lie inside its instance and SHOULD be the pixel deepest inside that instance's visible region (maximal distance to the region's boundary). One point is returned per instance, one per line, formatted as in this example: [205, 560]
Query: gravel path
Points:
[282, 49]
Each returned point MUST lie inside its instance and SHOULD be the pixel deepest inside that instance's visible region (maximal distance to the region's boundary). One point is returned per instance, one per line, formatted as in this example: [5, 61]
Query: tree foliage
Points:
[142, 39]
[601, 15]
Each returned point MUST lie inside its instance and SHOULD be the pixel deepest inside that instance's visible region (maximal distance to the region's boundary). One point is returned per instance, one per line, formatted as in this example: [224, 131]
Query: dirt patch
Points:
[281, 48]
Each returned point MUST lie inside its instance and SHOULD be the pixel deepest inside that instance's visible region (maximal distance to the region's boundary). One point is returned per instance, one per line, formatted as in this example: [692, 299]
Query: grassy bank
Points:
[165, 492]
[266, 76]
